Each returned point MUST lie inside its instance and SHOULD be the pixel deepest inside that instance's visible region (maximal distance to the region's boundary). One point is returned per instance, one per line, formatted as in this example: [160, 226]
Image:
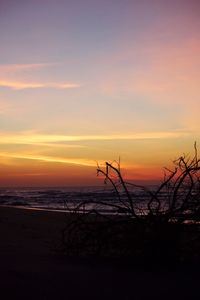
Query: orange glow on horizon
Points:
[41, 159]
[101, 82]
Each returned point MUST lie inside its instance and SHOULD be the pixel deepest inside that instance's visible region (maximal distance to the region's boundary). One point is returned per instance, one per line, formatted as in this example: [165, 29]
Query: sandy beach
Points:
[33, 268]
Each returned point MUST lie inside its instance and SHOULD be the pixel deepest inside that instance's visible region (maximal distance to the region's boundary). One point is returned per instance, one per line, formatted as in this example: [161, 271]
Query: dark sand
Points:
[31, 268]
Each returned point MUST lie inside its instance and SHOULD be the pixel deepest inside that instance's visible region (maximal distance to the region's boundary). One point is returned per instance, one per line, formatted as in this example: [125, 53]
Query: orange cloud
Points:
[73, 161]
[41, 138]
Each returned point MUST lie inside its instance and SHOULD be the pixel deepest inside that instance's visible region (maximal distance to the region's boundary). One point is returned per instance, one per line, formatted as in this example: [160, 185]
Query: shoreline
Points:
[67, 212]
[23, 207]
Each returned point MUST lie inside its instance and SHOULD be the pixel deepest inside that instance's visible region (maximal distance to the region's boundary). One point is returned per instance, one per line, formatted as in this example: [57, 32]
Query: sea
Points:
[80, 198]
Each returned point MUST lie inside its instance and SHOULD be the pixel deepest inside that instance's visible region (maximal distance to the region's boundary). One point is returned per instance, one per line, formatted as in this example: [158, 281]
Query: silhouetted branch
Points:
[136, 221]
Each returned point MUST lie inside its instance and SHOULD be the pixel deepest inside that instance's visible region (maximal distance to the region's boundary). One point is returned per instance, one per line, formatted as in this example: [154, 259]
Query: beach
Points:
[32, 266]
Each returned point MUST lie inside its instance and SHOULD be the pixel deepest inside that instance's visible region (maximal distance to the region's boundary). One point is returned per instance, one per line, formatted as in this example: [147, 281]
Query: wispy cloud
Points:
[41, 138]
[167, 73]
[10, 156]
[73, 161]
[19, 85]
[13, 68]
[14, 76]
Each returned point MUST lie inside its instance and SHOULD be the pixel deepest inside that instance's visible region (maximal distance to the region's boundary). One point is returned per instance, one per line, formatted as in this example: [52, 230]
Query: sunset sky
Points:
[88, 81]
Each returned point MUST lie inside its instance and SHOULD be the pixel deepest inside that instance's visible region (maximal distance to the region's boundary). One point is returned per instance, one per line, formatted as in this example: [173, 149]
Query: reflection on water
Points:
[69, 197]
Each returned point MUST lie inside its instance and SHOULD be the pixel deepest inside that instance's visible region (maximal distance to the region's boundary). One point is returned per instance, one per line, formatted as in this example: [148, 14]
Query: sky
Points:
[84, 82]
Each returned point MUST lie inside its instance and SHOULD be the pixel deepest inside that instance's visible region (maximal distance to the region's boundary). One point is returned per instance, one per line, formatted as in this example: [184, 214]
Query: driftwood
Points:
[136, 231]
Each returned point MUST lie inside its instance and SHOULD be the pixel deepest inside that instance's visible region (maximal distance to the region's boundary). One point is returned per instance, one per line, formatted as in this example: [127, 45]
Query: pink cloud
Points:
[168, 72]
[9, 69]
[19, 85]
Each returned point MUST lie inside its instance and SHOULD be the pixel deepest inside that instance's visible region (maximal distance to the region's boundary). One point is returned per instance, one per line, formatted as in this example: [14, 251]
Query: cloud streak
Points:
[50, 159]
[13, 76]
[20, 85]
[13, 68]
[36, 139]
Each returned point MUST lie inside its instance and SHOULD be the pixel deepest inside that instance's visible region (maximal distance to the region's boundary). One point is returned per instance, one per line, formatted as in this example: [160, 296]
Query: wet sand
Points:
[31, 267]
